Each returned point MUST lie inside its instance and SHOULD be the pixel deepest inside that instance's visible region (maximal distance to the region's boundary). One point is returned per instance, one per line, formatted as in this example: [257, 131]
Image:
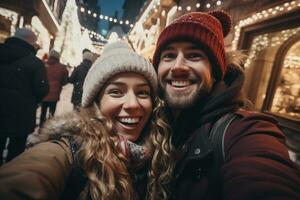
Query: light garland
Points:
[104, 17]
[198, 5]
[153, 7]
[93, 34]
[269, 40]
[260, 16]
[155, 3]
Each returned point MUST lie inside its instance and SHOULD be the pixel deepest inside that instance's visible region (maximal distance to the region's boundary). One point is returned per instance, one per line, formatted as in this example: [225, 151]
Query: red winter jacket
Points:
[256, 164]
[57, 76]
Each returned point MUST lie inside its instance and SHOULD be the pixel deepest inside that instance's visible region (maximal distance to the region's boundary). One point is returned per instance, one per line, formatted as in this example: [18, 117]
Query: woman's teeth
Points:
[129, 120]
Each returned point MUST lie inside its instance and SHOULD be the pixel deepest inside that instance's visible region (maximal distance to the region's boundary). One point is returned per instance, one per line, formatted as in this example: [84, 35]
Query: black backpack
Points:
[216, 138]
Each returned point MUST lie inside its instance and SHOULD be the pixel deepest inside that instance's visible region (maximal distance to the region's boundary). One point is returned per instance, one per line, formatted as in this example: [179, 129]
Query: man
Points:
[78, 75]
[23, 84]
[201, 88]
[57, 74]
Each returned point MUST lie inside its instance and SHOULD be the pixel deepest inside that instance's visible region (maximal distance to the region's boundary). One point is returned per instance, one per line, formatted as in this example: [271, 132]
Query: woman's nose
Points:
[131, 102]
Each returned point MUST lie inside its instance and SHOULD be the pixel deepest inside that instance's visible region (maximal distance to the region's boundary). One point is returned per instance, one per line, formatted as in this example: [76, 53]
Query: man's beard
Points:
[188, 98]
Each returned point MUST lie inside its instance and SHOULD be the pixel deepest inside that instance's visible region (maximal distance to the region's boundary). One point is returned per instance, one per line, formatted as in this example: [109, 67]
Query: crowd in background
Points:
[29, 83]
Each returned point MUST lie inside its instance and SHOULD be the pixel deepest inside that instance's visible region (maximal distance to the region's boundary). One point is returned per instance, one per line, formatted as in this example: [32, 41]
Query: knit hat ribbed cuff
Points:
[116, 58]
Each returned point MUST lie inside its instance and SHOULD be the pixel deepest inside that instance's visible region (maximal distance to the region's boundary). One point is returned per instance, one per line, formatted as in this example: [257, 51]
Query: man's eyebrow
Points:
[168, 48]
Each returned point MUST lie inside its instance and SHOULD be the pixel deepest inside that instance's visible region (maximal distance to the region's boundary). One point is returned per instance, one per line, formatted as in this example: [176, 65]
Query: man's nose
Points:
[180, 65]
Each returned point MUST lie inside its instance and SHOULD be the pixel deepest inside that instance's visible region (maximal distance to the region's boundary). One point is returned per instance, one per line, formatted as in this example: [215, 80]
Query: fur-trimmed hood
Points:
[64, 125]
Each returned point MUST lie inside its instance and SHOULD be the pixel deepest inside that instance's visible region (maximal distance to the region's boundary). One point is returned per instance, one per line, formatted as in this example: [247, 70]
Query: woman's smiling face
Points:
[126, 100]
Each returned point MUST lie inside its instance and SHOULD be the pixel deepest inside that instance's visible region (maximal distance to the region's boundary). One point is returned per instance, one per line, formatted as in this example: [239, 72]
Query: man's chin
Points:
[181, 102]
[187, 100]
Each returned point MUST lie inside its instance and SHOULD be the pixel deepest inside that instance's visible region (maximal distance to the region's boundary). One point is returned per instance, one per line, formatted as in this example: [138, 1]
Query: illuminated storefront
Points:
[272, 40]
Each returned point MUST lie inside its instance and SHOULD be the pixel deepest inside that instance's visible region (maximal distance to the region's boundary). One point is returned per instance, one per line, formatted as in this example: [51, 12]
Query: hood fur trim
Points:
[235, 57]
[65, 125]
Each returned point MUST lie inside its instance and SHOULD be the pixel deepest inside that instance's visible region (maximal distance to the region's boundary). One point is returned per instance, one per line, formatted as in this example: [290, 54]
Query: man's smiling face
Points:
[184, 73]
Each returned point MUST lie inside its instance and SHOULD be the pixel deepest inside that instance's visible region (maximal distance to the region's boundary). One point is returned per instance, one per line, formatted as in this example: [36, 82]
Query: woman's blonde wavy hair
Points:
[105, 165]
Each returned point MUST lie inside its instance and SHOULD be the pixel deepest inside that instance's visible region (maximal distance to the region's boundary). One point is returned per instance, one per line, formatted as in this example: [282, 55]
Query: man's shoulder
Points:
[254, 115]
[249, 122]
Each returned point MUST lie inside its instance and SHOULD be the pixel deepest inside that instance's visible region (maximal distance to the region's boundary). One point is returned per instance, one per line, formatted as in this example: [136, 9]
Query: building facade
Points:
[43, 16]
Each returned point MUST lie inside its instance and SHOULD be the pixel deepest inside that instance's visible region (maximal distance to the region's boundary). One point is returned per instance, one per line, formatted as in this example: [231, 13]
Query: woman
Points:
[116, 147]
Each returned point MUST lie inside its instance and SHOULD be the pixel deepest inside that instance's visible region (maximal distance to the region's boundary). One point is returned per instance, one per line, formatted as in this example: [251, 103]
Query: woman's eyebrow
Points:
[123, 83]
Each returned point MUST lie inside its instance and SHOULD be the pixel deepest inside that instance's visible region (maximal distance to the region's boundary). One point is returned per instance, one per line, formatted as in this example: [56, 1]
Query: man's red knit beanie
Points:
[204, 29]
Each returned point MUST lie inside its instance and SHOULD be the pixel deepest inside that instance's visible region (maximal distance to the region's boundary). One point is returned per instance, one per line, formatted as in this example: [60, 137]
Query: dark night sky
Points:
[108, 8]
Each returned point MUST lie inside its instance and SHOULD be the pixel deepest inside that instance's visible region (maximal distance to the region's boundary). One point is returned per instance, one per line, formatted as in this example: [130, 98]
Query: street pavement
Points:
[64, 105]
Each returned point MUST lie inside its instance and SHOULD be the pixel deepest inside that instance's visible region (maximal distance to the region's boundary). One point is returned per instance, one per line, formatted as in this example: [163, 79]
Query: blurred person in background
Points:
[57, 74]
[23, 85]
[78, 75]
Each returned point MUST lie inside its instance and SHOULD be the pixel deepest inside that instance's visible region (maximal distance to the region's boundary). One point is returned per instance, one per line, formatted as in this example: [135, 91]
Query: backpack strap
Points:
[216, 137]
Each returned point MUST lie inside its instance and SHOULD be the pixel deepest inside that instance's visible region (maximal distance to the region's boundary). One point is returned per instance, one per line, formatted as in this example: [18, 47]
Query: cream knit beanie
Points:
[116, 57]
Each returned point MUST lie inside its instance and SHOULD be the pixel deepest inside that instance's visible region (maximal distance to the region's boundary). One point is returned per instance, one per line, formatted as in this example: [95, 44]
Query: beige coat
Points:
[38, 173]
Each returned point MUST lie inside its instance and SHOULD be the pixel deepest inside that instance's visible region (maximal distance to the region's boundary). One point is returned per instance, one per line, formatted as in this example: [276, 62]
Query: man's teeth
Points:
[180, 83]
[129, 120]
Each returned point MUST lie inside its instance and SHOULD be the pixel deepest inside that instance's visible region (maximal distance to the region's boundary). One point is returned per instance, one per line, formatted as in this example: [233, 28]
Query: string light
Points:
[107, 18]
[264, 41]
[154, 7]
[263, 15]
[93, 34]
